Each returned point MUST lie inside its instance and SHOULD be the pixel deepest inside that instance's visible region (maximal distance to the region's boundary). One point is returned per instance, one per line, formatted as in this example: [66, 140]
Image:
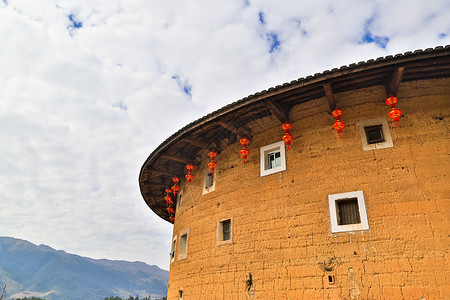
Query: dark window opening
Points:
[374, 134]
[330, 279]
[225, 230]
[209, 180]
[174, 244]
[348, 211]
[180, 292]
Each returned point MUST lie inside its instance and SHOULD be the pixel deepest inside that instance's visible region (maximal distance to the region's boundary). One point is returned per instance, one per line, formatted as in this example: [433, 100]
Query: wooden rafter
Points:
[151, 184]
[228, 126]
[176, 158]
[329, 94]
[394, 83]
[160, 172]
[279, 113]
[197, 143]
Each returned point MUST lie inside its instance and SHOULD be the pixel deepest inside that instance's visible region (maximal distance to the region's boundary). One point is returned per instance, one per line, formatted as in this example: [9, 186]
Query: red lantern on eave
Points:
[212, 164]
[168, 191]
[244, 151]
[170, 210]
[395, 115]
[391, 101]
[338, 125]
[189, 175]
[175, 187]
[171, 218]
[287, 138]
[168, 200]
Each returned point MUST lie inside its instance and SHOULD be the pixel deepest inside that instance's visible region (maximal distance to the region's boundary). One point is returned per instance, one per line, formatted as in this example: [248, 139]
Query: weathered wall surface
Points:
[281, 222]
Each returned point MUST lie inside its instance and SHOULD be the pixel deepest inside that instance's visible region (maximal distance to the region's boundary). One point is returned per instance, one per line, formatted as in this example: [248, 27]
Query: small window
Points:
[375, 134]
[273, 158]
[183, 245]
[172, 253]
[180, 293]
[348, 212]
[210, 182]
[224, 234]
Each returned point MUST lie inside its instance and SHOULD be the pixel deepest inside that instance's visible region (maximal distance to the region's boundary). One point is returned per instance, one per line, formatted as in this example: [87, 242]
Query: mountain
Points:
[31, 270]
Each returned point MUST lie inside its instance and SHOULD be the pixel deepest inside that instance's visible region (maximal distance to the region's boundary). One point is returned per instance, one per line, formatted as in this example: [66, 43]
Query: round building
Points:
[362, 216]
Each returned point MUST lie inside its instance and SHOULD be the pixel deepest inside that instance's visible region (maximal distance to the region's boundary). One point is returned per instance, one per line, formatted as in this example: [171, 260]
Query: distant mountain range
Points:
[29, 270]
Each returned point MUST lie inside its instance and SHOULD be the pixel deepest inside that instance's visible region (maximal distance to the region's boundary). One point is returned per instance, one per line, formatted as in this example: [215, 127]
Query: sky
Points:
[89, 88]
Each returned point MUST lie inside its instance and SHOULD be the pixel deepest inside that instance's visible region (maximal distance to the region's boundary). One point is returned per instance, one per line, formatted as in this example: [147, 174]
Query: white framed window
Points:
[183, 244]
[224, 232]
[348, 212]
[273, 158]
[209, 182]
[375, 134]
[174, 246]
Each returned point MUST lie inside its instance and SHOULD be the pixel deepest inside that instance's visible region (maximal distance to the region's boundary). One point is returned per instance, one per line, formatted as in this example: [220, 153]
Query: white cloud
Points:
[81, 107]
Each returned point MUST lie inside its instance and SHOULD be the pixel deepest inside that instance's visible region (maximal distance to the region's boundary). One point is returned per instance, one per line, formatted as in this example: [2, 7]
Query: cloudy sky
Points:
[88, 88]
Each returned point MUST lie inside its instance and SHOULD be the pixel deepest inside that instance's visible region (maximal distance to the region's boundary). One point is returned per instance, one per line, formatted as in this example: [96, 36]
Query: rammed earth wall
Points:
[281, 231]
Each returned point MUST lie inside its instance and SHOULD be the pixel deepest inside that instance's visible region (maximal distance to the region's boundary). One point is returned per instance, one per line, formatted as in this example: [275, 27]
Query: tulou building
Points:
[334, 200]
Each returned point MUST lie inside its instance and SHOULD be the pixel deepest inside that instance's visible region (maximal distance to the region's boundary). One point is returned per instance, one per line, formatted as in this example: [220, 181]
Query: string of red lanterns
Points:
[338, 125]
[394, 113]
[212, 164]
[175, 187]
[244, 151]
[287, 137]
[169, 203]
[189, 175]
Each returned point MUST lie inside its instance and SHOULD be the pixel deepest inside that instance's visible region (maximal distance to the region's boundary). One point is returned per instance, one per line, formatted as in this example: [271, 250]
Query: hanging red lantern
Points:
[168, 191]
[170, 210]
[172, 218]
[244, 151]
[189, 175]
[175, 187]
[168, 200]
[394, 113]
[338, 125]
[287, 137]
[391, 101]
[212, 164]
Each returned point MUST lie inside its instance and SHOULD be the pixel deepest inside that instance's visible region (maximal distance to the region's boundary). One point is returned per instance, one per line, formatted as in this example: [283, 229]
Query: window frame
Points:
[385, 131]
[212, 188]
[335, 227]
[174, 246]
[220, 240]
[184, 254]
[269, 149]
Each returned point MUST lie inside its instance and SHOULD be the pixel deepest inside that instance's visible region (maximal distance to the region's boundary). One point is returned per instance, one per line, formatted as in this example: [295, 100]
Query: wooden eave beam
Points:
[176, 158]
[156, 185]
[160, 172]
[329, 94]
[278, 112]
[197, 143]
[228, 126]
[394, 83]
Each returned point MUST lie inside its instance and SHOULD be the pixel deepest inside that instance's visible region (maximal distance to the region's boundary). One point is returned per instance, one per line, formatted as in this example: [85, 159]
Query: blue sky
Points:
[88, 88]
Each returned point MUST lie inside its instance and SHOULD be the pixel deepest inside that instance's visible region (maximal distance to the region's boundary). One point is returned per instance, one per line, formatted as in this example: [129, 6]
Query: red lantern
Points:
[189, 175]
[172, 218]
[287, 137]
[170, 210]
[168, 191]
[244, 151]
[212, 164]
[168, 200]
[175, 187]
[338, 125]
[394, 113]
[391, 101]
